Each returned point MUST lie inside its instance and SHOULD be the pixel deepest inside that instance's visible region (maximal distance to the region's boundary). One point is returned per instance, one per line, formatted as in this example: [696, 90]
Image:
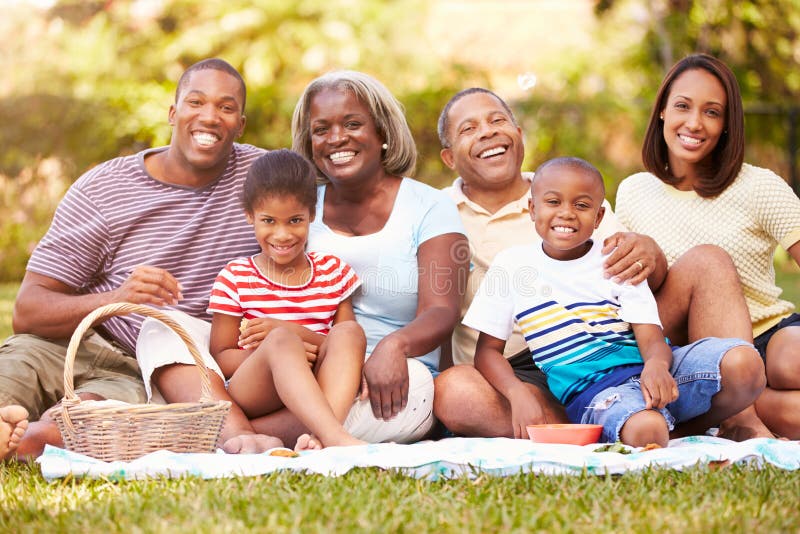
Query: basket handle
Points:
[125, 308]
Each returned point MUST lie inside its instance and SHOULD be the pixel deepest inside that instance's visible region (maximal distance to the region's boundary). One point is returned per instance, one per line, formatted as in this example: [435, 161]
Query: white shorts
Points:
[158, 345]
[410, 425]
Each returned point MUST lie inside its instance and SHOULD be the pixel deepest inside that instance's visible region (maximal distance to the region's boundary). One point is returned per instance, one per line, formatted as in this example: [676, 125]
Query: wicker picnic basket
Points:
[110, 431]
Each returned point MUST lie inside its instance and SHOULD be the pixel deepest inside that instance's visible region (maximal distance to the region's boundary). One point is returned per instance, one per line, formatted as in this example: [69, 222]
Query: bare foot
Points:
[251, 444]
[307, 442]
[13, 423]
[743, 426]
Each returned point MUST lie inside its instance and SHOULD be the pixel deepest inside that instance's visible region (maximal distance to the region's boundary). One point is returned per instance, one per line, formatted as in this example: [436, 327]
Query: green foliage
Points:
[738, 499]
[758, 39]
[108, 70]
[26, 203]
[85, 81]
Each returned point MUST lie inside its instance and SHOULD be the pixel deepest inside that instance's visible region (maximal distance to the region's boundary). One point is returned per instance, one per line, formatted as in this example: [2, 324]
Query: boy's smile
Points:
[566, 207]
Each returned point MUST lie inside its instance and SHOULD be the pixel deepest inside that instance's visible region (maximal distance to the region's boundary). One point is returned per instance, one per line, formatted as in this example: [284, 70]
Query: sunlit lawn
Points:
[736, 499]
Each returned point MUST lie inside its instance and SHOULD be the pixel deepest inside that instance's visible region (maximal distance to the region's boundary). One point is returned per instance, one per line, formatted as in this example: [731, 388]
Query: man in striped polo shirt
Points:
[152, 228]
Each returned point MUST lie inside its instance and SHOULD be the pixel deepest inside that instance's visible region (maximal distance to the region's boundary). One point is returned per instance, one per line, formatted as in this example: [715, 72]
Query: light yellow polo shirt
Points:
[488, 234]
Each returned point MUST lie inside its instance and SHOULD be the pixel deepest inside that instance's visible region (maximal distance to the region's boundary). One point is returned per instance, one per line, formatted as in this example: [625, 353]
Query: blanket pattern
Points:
[448, 458]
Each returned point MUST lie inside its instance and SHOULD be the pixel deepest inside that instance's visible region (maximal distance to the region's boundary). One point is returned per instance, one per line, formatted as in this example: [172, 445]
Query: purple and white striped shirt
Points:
[116, 217]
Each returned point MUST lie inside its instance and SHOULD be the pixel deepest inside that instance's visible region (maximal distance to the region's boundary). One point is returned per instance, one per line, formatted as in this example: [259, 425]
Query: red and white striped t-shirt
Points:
[242, 290]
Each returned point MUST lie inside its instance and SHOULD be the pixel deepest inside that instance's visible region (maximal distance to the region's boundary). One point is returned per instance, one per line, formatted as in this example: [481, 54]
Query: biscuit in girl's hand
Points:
[243, 326]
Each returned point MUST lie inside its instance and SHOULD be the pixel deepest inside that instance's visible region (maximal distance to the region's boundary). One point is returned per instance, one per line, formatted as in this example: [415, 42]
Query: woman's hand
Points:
[386, 376]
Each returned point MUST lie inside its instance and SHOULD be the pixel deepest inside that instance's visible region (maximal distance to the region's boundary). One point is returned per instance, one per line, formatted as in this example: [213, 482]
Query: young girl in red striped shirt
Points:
[283, 329]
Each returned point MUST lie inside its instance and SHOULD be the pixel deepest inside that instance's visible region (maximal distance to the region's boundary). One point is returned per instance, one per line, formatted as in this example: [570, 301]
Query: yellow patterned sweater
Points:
[757, 212]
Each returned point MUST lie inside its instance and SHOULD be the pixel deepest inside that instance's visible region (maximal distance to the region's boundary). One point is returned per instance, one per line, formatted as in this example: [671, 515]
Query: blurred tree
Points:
[758, 39]
[102, 74]
[86, 80]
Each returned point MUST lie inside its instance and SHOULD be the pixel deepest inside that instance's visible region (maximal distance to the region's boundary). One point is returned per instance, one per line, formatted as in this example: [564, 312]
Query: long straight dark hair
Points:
[727, 156]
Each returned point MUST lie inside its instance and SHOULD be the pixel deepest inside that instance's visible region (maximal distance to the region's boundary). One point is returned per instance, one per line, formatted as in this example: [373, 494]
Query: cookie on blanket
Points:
[282, 451]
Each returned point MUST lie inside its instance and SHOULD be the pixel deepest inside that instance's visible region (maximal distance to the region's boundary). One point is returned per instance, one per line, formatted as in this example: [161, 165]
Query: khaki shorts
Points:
[158, 345]
[32, 372]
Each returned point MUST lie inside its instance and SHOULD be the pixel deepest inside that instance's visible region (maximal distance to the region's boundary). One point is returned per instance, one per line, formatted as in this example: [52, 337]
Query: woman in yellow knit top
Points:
[699, 191]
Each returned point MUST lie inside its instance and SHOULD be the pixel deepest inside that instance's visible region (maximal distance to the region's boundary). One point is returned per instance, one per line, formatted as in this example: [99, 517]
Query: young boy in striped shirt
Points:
[600, 343]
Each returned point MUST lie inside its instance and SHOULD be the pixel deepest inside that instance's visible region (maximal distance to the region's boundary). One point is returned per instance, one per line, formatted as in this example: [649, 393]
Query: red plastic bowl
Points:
[564, 433]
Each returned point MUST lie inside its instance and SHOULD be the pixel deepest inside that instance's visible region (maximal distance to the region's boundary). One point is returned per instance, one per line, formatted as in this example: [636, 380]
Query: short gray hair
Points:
[444, 116]
[400, 157]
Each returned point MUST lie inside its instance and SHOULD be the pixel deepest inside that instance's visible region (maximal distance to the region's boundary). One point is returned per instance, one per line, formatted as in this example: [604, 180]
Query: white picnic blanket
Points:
[447, 458]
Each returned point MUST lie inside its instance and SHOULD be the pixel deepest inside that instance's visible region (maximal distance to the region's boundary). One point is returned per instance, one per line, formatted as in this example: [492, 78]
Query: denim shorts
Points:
[695, 368]
[762, 340]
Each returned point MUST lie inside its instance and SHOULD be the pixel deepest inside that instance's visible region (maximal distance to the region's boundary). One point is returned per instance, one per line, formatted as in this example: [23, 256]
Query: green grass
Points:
[736, 499]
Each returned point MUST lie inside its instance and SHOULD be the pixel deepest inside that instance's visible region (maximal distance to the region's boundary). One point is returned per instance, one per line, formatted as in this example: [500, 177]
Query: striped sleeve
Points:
[348, 279]
[75, 247]
[225, 295]
[341, 280]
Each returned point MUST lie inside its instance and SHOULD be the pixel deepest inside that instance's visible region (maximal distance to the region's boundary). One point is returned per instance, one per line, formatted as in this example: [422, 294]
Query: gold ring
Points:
[641, 266]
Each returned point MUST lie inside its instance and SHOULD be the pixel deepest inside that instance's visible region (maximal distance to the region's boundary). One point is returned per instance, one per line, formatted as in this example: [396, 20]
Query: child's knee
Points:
[742, 369]
[645, 427]
[281, 343]
[281, 336]
[350, 331]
